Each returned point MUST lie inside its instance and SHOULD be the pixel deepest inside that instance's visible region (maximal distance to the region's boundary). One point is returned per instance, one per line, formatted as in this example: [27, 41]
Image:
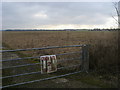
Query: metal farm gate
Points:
[83, 66]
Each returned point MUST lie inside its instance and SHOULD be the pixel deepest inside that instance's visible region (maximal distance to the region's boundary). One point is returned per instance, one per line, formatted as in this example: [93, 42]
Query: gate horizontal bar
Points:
[19, 75]
[37, 63]
[62, 60]
[39, 56]
[51, 47]
[41, 79]
[20, 66]
[34, 72]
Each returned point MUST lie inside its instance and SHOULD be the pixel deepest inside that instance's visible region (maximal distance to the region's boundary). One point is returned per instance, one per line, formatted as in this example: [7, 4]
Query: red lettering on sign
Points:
[46, 58]
[53, 57]
[42, 58]
[49, 63]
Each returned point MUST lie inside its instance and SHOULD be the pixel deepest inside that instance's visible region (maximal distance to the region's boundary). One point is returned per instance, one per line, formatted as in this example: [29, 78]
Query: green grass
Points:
[93, 79]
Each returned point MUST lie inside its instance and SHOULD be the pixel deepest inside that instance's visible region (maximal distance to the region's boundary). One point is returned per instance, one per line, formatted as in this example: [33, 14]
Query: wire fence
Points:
[83, 58]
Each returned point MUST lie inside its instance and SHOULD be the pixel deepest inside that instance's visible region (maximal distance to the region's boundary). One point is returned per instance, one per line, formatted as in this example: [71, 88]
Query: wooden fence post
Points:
[85, 58]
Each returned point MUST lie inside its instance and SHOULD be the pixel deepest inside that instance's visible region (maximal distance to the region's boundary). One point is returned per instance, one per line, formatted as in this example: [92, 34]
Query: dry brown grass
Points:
[103, 49]
[35, 39]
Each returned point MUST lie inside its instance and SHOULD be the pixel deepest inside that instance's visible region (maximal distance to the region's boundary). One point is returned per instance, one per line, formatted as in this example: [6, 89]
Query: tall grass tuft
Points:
[104, 54]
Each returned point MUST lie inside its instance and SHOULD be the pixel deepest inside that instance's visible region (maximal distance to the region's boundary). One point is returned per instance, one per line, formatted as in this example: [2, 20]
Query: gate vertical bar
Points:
[85, 58]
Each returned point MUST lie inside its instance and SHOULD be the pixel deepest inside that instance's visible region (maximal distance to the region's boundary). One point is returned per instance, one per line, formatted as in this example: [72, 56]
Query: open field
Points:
[103, 44]
[34, 39]
[103, 47]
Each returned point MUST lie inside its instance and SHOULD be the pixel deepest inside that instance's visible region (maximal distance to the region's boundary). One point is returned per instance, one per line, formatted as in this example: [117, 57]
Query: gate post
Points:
[85, 58]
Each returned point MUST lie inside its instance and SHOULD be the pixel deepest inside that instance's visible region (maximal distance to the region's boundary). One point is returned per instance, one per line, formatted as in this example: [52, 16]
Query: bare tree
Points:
[117, 9]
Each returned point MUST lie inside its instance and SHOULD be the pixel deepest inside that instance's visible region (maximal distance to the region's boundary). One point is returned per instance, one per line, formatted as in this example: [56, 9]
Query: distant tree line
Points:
[104, 30]
[63, 30]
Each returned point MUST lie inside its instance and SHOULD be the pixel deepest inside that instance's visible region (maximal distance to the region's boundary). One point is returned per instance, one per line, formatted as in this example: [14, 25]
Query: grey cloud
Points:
[20, 15]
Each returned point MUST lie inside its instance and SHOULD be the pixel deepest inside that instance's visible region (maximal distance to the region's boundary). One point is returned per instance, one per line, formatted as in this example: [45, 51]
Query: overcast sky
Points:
[57, 15]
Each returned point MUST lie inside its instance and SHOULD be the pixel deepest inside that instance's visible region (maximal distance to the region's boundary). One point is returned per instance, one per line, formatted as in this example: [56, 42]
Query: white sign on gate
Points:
[48, 64]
